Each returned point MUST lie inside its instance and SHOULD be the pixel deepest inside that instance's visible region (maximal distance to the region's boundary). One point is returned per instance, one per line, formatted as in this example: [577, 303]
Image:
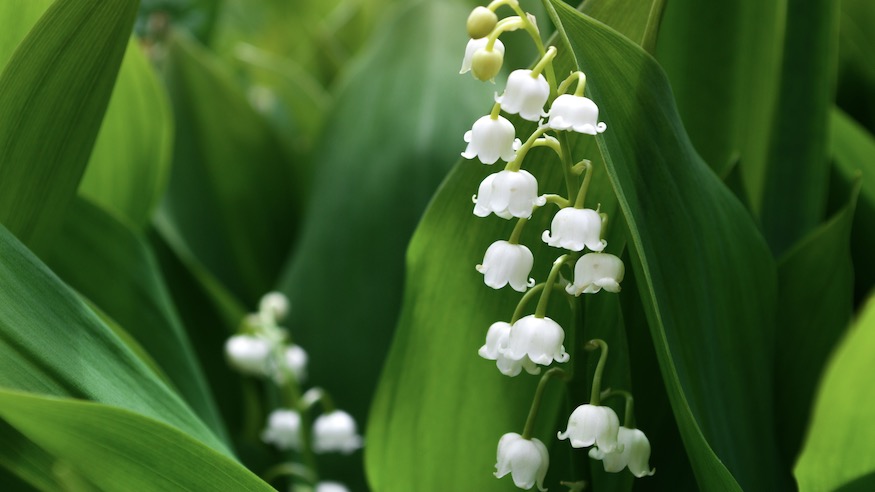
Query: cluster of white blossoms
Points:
[263, 349]
[531, 341]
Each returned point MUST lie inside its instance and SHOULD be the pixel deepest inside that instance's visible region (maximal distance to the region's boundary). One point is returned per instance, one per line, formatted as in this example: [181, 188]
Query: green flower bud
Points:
[481, 22]
[485, 64]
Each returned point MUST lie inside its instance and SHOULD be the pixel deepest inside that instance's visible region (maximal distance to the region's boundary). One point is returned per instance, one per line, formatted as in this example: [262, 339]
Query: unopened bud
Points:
[481, 22]
[486, 63]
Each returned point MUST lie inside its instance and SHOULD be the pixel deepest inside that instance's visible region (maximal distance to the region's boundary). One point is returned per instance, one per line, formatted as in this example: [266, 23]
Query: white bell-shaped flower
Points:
[249, 354]
[635, 454]
[593, 425]
[274, 306]
[526, 460]
[596, 271]
[330, 487]
[539, 339]
[508, 194]
[283, 429]
[491, 139]
[577, 113]
[574, 229]
[525, 95]
[473, 46]
[335, 431]
[294, 362]
[496, 342]
[505, 263]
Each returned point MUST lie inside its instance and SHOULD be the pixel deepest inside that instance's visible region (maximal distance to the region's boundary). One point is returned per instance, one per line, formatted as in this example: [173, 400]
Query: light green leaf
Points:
[837, 449]
[131, 158]
[19, 17]
[231, 198]
[815, 297]
[709, 303]
[119, 450]
[53, 93]
[52, 343]
[112, 265]
[853, 152]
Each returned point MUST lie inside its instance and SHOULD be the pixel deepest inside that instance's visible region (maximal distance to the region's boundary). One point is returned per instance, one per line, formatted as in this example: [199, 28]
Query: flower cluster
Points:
[527, 342]
[263, 349]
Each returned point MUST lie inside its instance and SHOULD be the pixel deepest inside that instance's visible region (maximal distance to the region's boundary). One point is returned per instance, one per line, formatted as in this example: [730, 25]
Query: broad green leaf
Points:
[853, 151]
[52, 343]
[795, 185]
[25, 460]
[112, 265]
[131, 158]
[724, 60]
[369, 192]
[231, 197]
[837, 449]
[709, 303]
[815, 297]
[856, 75]
[19, 16]
[53, 93]
[119, 450]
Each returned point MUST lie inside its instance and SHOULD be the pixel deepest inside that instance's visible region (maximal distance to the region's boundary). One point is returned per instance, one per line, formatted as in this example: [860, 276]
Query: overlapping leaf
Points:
[110, 264]
[53, 93]
[119, 450]
[52, 343]
[709, 300]
[231, 200]
[837, 449]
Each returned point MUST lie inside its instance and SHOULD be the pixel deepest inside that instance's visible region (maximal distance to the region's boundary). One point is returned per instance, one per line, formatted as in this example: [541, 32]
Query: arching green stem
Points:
[544, 61]
[541, 310]
[504, 25]
[548, 141]
[496, 111]
[314, 395]
[570, 178]
[527, 297]
[595, 344]
[517, 162]
[517, 230]
[536, 401]
[557, 200]
[628, 417]
[587, 177]
[295, 470]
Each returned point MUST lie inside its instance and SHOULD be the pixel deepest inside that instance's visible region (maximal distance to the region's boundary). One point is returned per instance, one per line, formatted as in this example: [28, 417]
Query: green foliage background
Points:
[154, 185]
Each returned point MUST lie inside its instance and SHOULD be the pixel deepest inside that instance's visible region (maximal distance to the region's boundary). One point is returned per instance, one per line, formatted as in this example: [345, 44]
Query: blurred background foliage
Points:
[255, 146]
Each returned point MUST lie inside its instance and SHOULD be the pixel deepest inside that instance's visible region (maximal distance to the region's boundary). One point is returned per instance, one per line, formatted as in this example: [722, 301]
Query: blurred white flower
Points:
[593, 425]
[508, 194]
[330, 487]
[505, 263]
[526, 460]
[274, 306]
[539, 339]
[635, 454]
[473, 46]
[525, 95]
[574, 229]
[335, 431]
[294, 362]
[496, 342]
[577, 113]
[491, 139]
[283, 429]
[596, 271]
[249, 354]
